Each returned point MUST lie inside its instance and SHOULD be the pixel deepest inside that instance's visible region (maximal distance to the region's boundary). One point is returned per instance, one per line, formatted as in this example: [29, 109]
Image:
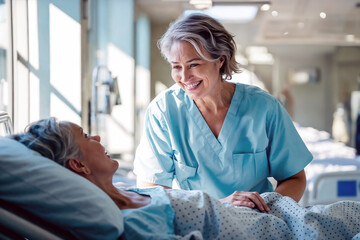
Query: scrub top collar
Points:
[225, 132]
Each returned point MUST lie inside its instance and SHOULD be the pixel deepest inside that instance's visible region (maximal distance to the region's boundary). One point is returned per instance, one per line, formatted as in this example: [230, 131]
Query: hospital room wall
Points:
[313, 105]
[316, 102]
[160, 68]
[142, 71]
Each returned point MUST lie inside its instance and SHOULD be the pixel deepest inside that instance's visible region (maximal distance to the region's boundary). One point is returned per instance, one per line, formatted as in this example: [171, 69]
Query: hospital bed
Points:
[334, 173]
[27, 213]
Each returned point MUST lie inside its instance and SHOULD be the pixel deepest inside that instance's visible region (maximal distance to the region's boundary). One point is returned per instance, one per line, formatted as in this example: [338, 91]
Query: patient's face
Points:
[94, 155]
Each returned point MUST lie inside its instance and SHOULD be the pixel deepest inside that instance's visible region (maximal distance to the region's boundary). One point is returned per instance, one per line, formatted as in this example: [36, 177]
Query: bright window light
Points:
[239, 14]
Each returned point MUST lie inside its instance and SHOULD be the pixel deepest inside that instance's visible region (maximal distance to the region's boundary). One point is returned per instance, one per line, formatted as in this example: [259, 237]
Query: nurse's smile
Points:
[192, 86]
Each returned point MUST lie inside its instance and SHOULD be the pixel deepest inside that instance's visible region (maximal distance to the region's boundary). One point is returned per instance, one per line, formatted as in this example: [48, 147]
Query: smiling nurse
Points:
[209, 134]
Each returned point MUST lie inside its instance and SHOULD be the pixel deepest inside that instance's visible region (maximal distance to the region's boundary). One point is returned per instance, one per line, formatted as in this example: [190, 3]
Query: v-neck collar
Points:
[216, 143]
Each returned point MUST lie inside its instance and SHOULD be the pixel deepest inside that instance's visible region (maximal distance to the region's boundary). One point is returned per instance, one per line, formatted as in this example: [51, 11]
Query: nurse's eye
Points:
[177, 67]
[194, 65]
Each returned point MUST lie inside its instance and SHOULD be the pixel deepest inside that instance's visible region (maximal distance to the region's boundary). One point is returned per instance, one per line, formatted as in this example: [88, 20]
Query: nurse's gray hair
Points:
[52, 139]
[204, 33]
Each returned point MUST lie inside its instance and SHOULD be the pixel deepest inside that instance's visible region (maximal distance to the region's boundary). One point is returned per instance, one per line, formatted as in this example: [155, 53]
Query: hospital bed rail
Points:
[5, 124]
[16, 223]
[330, 187]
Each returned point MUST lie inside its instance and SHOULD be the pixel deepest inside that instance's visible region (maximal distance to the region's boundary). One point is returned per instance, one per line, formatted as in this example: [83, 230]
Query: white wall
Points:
[311, 101]
[315, 103]
[160, 68]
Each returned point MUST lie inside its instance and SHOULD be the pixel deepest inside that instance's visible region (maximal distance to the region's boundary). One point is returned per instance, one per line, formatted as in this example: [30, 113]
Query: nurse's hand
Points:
[247, 199]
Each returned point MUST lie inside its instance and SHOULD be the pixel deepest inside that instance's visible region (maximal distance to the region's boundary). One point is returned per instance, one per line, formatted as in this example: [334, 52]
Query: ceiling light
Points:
[238, 14]
[265, 7]
[201, 4]
[286, 33]
[274, 13]
[323, 15]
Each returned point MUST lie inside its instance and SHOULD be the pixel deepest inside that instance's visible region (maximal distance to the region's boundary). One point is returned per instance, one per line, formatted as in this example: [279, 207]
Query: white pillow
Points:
[55, 194]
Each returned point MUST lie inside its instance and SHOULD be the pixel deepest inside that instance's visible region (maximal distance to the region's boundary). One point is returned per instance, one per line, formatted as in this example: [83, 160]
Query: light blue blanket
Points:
[196, 215]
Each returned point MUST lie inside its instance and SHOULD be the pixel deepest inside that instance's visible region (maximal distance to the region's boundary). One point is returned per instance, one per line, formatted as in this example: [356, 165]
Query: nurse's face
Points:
[198, 77]
[94, 157]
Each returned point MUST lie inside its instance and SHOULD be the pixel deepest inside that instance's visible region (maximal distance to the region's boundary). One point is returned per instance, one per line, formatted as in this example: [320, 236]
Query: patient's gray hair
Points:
[52, 139]
[204, 33]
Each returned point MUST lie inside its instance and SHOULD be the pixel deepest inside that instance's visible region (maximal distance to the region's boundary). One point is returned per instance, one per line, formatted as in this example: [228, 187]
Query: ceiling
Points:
[298, 21]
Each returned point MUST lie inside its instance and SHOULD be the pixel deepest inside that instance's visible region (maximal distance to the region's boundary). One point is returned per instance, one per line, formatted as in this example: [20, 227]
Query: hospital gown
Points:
[178, 214]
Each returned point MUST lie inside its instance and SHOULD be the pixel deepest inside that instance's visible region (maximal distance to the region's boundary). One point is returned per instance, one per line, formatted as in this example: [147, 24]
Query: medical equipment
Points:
[105, 94]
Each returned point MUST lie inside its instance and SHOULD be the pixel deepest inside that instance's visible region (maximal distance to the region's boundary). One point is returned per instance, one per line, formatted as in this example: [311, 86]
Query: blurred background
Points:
[95, 62]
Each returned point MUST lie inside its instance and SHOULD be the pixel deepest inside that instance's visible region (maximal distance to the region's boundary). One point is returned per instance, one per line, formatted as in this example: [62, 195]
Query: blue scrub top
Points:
[257, 140]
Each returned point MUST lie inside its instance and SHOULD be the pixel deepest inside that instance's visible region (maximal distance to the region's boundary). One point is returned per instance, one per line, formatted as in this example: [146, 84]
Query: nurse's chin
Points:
[194, 97]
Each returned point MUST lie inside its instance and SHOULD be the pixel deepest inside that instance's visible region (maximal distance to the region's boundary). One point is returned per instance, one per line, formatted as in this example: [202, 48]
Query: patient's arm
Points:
[143, 184]
[293, 186]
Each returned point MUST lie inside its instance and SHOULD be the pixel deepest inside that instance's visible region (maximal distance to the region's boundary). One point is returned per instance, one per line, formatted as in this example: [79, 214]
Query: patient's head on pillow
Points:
[67, 144]
[40, 186]
[52, 139]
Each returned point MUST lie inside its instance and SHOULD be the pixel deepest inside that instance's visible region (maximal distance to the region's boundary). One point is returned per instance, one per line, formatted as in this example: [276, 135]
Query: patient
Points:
[157, 213]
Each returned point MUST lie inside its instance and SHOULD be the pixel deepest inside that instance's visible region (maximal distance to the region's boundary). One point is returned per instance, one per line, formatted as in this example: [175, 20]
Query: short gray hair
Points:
[203, 32]
[52, 139]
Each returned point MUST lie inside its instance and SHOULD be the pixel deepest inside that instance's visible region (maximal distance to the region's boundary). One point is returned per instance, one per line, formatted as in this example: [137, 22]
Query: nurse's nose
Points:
[185, 75]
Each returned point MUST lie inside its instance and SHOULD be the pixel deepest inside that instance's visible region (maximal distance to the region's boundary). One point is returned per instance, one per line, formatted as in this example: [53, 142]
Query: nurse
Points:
[212, 135]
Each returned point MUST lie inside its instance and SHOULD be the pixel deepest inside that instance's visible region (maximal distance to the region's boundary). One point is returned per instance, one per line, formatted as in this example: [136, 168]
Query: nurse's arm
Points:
[293, 186]
[143, 184]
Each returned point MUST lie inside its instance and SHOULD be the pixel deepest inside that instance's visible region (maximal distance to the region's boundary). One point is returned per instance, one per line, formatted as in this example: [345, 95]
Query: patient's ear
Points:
[77, 166]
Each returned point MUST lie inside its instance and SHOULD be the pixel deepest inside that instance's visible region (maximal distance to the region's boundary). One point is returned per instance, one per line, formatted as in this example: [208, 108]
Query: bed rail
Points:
[331, 187]
[5, 124]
